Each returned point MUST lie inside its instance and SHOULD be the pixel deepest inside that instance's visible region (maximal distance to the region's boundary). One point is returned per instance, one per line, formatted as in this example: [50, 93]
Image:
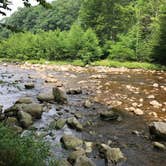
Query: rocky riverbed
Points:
[90, 116]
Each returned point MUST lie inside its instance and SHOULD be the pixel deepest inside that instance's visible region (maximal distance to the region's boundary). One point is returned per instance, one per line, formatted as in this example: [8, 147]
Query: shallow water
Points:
[106, 87]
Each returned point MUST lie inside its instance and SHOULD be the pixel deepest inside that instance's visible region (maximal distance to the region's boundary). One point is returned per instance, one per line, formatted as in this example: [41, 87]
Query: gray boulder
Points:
[158, 130]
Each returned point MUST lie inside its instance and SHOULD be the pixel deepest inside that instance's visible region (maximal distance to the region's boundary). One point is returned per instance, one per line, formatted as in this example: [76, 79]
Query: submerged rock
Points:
[71, 142]
[158, 130]
[74, 91]
[59, 95]
[74, 123]
[109, 115]
[113, 155]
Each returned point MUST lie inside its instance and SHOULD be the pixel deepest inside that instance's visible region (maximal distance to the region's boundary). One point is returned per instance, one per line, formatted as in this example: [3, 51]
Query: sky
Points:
[18, 3]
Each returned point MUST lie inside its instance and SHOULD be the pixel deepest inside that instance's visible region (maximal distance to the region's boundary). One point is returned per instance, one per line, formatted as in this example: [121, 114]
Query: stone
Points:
[35, 110]
[75, 124]
[75, 154]
[59, 95]
[88, 147]
[74, 91]
[11, 121]
[71, 142]
[12, 111]
[29, 86]
[159, 146]
[158, 130]
[45, 97]
[25, 119]
[24, 100]
[87, 104]
[108, 115]
[138, 111]
[84, 161]
[64, 162]
[59, 124]
[113, 155]
[155, 104]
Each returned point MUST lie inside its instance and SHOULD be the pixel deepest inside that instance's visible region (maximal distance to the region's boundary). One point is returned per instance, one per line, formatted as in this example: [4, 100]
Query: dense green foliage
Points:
[159, 54]
[53, 45]
[88, 30]
[21, 151]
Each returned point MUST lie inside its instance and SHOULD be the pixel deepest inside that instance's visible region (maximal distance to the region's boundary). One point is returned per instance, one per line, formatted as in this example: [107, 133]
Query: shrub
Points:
[21, 151]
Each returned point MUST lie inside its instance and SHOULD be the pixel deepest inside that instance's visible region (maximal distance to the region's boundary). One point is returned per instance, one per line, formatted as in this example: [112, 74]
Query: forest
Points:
[87, 30]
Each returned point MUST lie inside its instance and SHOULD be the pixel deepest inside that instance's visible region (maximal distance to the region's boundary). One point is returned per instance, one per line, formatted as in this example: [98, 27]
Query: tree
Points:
[159, 54]
[4, 5]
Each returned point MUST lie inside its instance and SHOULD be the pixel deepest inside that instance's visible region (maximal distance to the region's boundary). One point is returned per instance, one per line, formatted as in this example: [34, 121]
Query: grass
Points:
[130, 65]
[106, 62]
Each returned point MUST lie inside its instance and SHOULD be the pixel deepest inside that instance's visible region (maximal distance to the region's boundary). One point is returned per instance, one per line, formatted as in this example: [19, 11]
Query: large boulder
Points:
[59, 95]
[46, 97]
[158, 130]
[112, 155]
[84, 161]
[71, 142]
[25, 119]
[75, 124]
[24, 100]
[35, 110]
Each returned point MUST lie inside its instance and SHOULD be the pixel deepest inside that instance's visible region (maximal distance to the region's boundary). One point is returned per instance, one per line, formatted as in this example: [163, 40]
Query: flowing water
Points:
[122, 89]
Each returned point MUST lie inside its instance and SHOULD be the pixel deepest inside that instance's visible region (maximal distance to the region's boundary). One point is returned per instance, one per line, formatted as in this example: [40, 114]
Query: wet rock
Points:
[75, 154]
[71, 142]
[108, 115]
[84, 161]
[59, 124]
[87, 104]
[25, 119]
[24, 100]
[2, 116]
[45, 97]
[59, 95]
[155, 85]
[158, 130]
[74, 91]
[29, 86]
[159, 146]
[75, 124]
[35, 110]
[113, 155]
